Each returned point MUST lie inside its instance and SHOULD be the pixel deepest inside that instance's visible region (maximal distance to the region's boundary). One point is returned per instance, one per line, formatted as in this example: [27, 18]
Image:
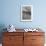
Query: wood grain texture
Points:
[12, 39]
[23, 39]
[34, 39]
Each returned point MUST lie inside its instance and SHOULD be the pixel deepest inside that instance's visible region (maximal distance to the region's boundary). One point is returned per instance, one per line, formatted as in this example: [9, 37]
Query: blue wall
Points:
[10, 13]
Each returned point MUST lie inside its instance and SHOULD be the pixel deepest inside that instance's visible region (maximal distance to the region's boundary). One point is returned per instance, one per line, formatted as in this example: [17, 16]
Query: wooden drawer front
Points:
[37, 39]
[13, 33]
[12, 44]
[34, 33]
[27, 41]
[12, 39]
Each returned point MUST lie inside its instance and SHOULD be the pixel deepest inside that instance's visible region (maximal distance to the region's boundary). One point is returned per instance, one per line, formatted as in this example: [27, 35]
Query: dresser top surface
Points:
[22, 30]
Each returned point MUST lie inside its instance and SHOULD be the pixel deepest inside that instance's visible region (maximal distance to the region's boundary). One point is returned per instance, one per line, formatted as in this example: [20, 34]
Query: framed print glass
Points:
[26, 13]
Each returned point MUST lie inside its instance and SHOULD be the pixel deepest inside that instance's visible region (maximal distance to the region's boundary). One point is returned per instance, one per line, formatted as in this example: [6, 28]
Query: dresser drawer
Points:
[13, 33]
[34, 33]
[13, 44]
[37, 39]
[12, 39]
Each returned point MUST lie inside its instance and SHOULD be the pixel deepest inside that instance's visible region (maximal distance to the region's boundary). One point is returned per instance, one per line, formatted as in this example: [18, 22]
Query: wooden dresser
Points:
[23, 39]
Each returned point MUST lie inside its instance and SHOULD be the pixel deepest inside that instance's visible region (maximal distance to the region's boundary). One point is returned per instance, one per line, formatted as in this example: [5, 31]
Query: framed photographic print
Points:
[26, 13]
